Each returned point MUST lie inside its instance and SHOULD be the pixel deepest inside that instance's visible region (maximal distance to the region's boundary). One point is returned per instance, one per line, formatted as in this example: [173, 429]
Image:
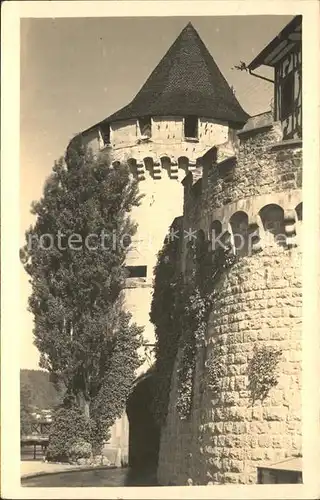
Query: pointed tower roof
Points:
[187, 81]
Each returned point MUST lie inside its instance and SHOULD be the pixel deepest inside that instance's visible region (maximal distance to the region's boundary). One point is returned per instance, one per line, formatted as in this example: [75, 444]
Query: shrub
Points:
[79, 449]
[69, 431]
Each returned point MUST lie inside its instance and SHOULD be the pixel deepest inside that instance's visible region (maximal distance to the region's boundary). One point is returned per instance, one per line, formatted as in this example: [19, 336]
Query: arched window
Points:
[272, 218]
[240, 232]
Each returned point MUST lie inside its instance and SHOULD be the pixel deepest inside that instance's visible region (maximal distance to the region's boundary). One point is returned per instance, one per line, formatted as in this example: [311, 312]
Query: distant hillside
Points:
[43, 394]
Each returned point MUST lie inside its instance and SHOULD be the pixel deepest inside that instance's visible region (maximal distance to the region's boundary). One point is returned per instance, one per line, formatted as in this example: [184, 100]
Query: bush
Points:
[79, 449]
[70, 431]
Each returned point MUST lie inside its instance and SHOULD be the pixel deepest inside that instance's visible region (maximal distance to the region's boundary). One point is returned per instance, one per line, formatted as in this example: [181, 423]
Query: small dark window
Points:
[105, 133]
[137, 271]
[191, 127]
[145, 126]
[287, 96]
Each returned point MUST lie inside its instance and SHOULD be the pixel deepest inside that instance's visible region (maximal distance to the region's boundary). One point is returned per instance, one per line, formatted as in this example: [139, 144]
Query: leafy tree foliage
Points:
[75, 255]
[69, 429]
[118, 378]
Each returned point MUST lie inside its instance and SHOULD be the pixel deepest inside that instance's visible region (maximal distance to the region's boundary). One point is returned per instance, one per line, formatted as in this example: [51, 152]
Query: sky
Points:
[77, 71]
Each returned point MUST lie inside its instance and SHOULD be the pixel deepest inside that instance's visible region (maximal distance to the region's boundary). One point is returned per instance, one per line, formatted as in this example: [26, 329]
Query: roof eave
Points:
[261, 58]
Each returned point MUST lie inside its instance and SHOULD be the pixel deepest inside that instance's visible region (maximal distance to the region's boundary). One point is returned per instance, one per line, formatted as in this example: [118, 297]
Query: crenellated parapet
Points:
[158, 167]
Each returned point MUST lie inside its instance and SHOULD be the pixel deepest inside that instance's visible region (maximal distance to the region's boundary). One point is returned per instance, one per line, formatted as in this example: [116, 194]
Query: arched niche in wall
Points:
[239, 223]
[148, 165]
[183, 163]
[272, 218]
[165, 164]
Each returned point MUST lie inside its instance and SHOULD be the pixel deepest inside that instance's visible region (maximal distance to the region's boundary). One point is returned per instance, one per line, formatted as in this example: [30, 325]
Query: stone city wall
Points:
[257, 303]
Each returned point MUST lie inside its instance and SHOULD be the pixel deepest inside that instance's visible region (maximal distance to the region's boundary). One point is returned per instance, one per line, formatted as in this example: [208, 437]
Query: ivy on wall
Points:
[166, 302]
[186, 372]
[215, 368]
[208, 267]
[262, 371]
[180, 310]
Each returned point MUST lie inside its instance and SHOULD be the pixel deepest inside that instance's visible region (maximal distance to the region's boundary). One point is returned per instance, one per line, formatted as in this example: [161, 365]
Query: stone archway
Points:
[144, 433]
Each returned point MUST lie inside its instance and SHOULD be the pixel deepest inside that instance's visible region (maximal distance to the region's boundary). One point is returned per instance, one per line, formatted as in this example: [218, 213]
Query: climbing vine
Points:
[180, 310]
[215, 368]
[262, 370]
[185, 379]
[165, 305]
[207, 268]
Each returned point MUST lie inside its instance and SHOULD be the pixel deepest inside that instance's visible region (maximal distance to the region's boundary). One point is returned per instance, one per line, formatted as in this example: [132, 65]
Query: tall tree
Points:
[75, 255]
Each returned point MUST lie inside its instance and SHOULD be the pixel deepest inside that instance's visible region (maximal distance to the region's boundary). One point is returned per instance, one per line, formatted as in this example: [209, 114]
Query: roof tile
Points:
[187, 81]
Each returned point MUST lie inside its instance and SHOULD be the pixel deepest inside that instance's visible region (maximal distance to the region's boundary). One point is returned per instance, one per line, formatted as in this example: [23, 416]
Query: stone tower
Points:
[184, 109]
